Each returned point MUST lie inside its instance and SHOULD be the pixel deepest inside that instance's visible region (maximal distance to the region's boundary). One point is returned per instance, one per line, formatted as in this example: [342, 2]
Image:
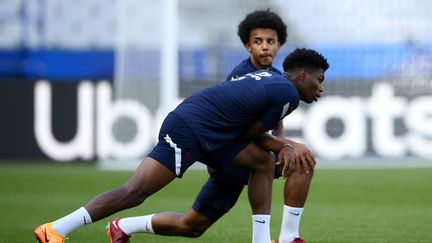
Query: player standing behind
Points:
[262, 34]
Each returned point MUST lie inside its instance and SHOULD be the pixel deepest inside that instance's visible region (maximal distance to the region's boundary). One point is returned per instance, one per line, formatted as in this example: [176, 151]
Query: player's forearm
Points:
[269, 142]
[272, 143]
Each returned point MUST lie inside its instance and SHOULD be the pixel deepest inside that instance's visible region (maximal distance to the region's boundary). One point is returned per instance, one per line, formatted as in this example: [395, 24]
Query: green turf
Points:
[368, 205]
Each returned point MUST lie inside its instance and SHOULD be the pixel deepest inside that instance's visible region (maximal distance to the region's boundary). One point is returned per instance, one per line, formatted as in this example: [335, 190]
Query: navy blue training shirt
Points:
[246, 67]
[222, 113]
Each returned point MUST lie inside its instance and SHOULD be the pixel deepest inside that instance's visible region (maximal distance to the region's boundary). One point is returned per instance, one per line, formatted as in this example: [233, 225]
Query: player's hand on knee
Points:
[304, 158]
[287, 159]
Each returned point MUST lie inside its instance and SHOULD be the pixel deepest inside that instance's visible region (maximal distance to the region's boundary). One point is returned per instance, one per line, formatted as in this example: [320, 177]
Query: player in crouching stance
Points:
[222, 189]
[262, 32]
[221, 126]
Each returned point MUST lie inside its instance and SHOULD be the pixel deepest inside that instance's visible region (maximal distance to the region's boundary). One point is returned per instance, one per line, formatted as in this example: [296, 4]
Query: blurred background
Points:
[91, 80]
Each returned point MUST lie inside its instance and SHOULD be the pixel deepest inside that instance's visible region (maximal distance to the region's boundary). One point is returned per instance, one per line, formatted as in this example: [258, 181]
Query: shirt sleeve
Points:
[282, 99]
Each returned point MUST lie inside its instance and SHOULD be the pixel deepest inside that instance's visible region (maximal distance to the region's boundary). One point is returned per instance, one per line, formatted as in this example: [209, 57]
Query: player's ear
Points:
[302, 74]
[248, 47]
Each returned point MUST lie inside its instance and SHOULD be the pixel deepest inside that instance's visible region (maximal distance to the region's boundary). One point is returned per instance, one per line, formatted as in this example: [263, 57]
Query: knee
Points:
[190, 230]
[265, 162]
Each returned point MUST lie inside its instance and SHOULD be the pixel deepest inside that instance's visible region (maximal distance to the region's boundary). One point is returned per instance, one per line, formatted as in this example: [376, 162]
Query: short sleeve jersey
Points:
[222, 113]
[246, 67]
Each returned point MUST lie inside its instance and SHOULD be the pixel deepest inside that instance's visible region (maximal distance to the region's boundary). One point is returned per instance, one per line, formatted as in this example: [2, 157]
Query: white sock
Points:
[261, 228]
[141, 224]
[72, 221]
[290, 224]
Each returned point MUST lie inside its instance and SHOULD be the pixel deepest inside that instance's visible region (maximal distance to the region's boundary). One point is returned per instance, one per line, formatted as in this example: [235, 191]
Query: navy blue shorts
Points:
[178, 148]
[218, 196]
[221, 191]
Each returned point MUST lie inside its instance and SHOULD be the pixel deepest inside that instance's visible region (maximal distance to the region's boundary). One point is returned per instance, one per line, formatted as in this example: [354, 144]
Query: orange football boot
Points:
[46, 234]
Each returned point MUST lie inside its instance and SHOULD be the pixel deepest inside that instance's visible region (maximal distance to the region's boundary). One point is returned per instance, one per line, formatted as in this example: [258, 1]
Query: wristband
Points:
[288, 145]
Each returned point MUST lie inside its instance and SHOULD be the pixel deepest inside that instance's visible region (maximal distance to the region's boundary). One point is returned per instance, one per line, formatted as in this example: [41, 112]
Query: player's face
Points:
[263, 46]
[312, 85]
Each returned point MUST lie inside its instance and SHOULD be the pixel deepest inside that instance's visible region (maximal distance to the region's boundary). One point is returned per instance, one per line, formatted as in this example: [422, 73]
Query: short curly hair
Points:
[262, 19]
[305, 58]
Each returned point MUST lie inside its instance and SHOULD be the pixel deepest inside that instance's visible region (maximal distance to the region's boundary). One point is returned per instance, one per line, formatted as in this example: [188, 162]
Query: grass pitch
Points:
[345, 205]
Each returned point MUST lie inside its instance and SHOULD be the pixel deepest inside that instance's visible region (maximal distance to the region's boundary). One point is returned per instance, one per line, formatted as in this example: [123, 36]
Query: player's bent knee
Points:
[192, 231]
[254, 158]
[193, 224]
[265, 161]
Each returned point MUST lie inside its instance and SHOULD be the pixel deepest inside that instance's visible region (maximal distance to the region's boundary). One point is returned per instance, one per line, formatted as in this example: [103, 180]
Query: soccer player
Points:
[221, 126]
[222, 189]
[262, 33]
